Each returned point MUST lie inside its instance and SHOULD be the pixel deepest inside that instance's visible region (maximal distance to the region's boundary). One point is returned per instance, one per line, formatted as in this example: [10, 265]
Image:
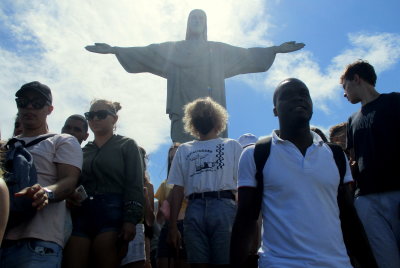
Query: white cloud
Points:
[48, 40]
[382, 50]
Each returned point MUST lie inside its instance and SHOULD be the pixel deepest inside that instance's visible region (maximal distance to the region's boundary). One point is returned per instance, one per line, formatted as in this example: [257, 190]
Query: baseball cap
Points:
[40, 88]
[247, 139]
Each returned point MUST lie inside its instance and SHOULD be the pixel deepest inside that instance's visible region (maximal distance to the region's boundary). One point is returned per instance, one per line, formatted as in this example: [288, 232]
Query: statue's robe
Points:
[194, 69]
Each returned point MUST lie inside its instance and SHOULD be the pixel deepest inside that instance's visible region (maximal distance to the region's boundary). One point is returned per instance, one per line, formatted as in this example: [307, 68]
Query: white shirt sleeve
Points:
[247, 168]
[68, 151]
[176, 174]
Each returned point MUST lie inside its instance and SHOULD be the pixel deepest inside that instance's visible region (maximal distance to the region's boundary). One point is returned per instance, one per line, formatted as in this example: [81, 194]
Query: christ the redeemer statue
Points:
[194, 67]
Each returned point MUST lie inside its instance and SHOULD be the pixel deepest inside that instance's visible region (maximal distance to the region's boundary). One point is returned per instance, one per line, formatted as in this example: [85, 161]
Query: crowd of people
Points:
[220, 205]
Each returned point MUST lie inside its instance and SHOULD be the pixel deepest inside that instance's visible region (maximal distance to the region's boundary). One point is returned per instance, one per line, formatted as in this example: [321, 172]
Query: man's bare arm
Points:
[67, 179]
[176, 197]
[245, 226]
[68, 176]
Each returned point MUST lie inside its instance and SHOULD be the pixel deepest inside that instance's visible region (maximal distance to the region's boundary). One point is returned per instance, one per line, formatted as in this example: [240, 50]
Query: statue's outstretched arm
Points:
[101, 48]
[288, 47]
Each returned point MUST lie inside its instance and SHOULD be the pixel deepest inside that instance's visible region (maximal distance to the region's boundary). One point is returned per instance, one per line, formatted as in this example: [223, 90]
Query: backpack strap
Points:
[36, 141]
[262, 150]
[340, 160]
[12, 141]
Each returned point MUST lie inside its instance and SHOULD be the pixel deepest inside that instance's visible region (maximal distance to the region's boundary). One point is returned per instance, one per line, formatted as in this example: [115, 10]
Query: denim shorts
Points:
[98, 214]
[208, 226]
[31, 253]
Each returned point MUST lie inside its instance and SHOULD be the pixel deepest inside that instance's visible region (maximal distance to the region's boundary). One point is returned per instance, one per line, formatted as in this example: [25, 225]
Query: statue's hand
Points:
[101, 48]
[289, 47]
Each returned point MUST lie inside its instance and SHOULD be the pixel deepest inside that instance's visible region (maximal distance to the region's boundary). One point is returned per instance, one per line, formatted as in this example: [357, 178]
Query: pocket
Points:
[229, 203]
[111, 201]
[44, 248]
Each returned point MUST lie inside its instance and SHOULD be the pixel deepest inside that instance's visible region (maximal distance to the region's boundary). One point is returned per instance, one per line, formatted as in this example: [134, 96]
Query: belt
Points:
[216, 194]
[7, 243]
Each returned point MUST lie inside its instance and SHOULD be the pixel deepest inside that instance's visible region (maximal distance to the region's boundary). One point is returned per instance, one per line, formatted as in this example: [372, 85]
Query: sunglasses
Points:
[37, 103]
[100, 114]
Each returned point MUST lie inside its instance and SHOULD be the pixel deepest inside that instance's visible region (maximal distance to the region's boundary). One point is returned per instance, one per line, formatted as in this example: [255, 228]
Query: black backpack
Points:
[20, 172]
[354, 236]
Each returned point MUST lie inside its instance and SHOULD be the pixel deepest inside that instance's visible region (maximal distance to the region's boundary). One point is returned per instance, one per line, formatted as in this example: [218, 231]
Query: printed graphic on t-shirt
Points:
[366, 121]
[206, 160]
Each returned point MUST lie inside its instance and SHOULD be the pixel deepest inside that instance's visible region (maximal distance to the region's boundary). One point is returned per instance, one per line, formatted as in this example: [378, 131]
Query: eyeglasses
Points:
[37, 103]
[100, 114]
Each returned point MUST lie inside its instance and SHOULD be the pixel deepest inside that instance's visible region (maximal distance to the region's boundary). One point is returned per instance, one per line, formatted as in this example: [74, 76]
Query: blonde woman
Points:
[112, 175]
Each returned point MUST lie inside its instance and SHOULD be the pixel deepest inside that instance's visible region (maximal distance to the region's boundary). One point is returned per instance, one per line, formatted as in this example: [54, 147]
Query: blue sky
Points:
[45, 40]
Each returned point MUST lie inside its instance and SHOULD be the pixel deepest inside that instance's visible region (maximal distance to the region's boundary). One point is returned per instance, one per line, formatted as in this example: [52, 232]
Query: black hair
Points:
[80, 118]
[278, 88]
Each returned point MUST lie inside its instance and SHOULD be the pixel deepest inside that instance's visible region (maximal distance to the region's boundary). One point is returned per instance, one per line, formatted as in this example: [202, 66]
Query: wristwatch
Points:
[50, 194]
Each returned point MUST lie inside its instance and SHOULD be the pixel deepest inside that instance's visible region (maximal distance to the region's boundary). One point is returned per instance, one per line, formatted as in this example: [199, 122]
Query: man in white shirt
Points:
[299, 203]
[58, 160]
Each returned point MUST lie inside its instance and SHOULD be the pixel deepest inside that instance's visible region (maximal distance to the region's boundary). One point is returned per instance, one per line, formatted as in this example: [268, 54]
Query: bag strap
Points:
[36, 141]
[29, 144]
[262, 150]
[340, 160]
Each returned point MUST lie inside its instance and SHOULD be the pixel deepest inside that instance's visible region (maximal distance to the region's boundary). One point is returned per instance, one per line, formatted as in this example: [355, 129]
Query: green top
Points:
[116, 168]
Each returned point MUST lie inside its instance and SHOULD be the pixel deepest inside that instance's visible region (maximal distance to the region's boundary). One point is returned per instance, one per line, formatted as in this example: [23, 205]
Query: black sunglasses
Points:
[37, 103]
[100, 114]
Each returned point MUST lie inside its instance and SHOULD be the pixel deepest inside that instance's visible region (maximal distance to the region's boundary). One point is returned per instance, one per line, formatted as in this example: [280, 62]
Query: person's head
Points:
[356, 78]
[171, 153]
[34, 103]
[292, 102]
[17, 126]
[337, 134]
[77, 126]
[102, 116]
[197, 24]
[204, 115]
[320, 133]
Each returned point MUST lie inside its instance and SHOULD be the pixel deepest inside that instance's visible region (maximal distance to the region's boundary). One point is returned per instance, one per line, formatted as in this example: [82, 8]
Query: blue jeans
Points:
[207, 230]
[31, 253]
[380, 215]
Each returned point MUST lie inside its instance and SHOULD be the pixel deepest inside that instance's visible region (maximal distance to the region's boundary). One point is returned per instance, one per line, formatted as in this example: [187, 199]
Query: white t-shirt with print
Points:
[48, 223]
[300, 213]
[205, 166]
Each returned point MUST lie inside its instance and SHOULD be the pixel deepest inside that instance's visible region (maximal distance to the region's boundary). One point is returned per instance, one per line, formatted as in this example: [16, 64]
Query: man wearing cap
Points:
[58, 160]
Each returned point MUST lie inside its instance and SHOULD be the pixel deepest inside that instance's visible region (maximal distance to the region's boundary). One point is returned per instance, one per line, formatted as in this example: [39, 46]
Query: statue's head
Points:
[197, 24]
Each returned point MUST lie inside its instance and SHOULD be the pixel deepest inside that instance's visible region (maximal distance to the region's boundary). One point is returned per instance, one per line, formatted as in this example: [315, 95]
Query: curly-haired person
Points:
[205, 171]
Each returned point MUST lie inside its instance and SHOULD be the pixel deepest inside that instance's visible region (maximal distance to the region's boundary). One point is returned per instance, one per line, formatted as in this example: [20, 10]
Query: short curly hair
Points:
[202, 115]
